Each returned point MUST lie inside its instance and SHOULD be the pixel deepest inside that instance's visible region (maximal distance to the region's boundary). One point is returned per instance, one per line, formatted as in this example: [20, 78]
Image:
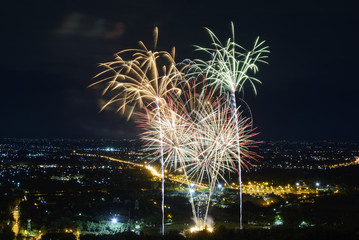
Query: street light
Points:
[114, 220]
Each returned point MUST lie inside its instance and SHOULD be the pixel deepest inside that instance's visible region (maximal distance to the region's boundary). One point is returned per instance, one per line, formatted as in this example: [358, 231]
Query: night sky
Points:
[50, 51]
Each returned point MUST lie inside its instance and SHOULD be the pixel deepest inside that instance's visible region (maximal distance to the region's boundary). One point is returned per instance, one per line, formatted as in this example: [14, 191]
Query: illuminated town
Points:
[83, 187]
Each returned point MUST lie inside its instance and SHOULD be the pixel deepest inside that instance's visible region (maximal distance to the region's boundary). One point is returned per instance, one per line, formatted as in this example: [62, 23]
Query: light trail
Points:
[151, 169]
[16, 217]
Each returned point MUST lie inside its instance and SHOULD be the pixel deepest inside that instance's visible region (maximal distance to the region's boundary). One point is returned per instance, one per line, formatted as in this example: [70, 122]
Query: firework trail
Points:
[144, 78]
[230, 67]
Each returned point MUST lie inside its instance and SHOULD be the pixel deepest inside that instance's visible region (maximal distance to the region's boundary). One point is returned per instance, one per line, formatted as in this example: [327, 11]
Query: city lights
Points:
[88, 173]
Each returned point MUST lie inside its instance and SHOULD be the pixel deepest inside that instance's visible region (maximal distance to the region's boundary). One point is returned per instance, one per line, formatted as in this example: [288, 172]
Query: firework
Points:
[231, 64]
[199, 139]
[230, 67]
[144, 79]
[216, 146]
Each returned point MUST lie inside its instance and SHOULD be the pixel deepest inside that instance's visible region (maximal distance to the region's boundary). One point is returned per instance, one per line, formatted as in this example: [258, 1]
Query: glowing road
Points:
[151, 169]
[16, 216]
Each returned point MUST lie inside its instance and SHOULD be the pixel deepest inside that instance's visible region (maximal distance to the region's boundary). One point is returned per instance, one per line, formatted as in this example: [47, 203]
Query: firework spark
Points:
[231, 64]
[230, 67]
[144, 79]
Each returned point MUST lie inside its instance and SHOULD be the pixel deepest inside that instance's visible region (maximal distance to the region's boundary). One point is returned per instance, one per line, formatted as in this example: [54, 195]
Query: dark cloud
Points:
[78, 24]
